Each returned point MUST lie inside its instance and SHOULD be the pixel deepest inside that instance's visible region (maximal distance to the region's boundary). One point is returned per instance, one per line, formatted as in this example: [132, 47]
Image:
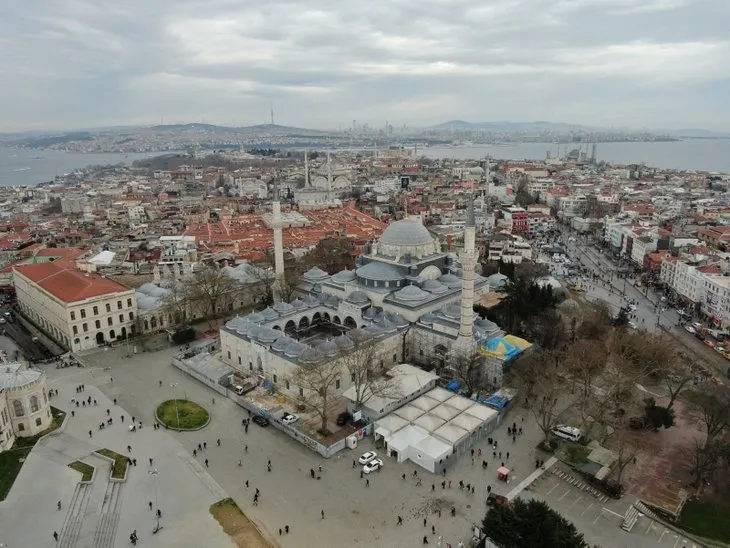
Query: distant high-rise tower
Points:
[272, 114]
[594, 146]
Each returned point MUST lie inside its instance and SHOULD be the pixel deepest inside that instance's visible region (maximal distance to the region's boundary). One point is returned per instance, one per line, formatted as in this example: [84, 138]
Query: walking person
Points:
[400, 520]
[55, 536]
[322, 512]
[206, 463]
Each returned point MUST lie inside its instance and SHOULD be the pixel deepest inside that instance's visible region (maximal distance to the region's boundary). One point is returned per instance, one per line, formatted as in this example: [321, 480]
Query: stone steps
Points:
[630, 518]
[580, 484]
[109, 516]
[75, 516]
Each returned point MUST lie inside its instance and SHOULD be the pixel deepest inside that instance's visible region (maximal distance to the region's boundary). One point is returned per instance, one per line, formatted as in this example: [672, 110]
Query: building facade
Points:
[24, 406]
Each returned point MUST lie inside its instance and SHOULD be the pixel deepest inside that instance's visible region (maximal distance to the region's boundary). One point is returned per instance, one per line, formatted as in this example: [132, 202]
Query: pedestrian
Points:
[246, 429]
[246, 484]
[129, 448]
[404, 476]
[494, 454]
[218, 441]
[507, 455]
[322, 514]
[206, 463]
[472, 451]
[55, 536]
[449, 484]
[354, 465]
[200, 447]
[500, 454]
[480, 451]
[122, 417]
[443, 484]
[111, 379]
[424, 522]
[514, 438]
[240, 463]
[245, 448]
[205, 445]
[115, 401]
[133, 421]
[160, 383]
[150, 461]
[195, 453]
[361, 474]
[400, 520]
[433, 529]
[439, 512]
[280, 531]
[73, 413]
[159, 513]
[367, 482]
[433, 487]
[425, 539]
[320, 468]
[150, 504]
[268, 467]
[90, 433]
[286, 529]
[520, 431]
[473, 489]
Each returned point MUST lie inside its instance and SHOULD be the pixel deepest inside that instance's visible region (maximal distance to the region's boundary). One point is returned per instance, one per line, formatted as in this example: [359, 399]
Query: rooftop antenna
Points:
[272, 113]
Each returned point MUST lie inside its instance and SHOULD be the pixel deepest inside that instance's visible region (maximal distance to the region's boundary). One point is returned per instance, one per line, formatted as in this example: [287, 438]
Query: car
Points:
[372, 466]
[690, 329]
[367, 457]
[569, 433]
[261, 421]
[289, 418]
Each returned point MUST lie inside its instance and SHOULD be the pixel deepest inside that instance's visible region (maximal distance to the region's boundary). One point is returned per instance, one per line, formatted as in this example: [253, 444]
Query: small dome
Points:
[357, 297]
[268, 336]
[388, 327]
[254, 317]
[299, 304]
[281, 344]
[315, 275]
[295, 349]
[368, 313]
[310, 355]
[379, 272]
[329, 349]
[332, 301]
[235, 323]
[451, 281]
[374, 330]
[269, 314]
[252, 330]
[427, 319]
[344, 276]
[434, 286]
[398, 320]
[358, 335]
[344, 342]
[408, 233]
[452, 312]
[283, 308]
[311, 300]
[411, 293]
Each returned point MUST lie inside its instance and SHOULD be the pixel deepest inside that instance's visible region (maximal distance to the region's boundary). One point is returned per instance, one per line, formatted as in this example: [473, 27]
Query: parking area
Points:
[600, 519]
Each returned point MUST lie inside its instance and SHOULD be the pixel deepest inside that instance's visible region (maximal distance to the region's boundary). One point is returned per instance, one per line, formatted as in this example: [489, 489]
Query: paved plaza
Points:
[355, 513]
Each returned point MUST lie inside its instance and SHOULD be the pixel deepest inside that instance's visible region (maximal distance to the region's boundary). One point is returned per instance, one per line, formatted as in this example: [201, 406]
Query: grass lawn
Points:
[87, 471]
[707, 520]
[11, 461]
[192, 416]
[119, 467]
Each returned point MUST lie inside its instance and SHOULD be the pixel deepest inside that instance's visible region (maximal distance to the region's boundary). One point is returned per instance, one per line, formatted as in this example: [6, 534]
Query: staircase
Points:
[75, 516]
[630, 518]
[106, 530]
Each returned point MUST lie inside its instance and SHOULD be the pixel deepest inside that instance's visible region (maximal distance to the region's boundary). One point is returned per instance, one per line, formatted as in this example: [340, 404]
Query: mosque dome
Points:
[329, 349]
[452, 312]
[281, 344]
[295, 349]
[267, 335]
[408, 232]
[254, 317]
[269, 314]
[283, 308]
[315, 275]
[451, 281]
[428, 319]
[411, 293]
[235, 323]
[344, 276]
[357, 297]
[344, 342]
[299, 304]
[434, 286]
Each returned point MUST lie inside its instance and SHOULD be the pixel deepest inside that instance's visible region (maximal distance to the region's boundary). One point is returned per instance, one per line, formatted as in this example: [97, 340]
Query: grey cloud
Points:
[76, 63]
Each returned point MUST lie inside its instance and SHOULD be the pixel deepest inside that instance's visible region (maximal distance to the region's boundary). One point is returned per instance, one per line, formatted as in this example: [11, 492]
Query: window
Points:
[250, 366]
[18, 408]
[34, 404]
[110, 321]
[108, 307]
[83, 313]
[121, 318]
[38, 421]
[97, 323]
[73, 316]
[76, 330]
[352, 377]
[229, 354]
[131, 316]
[337, 384]
[119, 305]
[129, 302]
[96, 311]
[274, 378]
[395, 358]
[21, 427]
[85, 327]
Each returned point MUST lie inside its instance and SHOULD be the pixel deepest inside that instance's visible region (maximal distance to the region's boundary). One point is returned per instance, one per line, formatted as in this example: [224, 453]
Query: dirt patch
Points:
[235, 523]
[661, 474]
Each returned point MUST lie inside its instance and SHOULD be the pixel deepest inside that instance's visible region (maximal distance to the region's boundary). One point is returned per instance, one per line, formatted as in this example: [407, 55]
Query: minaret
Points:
[278, 242]
[306, 169]
[468, 258]
[329, 178]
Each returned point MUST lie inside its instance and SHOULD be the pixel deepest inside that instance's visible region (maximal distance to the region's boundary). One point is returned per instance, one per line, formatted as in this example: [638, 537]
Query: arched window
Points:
[34, 404]
[18, 408]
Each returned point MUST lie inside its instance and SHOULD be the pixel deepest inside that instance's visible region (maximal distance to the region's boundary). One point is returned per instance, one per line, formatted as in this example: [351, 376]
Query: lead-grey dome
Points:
[12, 376]
[344, 276]
[315, 274]
[408, 232]
[411, 293]
[357, 297]
[379, 271]
[284, 308]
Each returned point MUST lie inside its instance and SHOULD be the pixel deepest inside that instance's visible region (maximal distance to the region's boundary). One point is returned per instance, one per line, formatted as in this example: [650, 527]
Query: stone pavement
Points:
[105, 513]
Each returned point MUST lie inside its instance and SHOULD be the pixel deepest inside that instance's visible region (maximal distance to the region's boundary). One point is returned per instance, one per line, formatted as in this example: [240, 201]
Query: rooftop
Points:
[67, 284]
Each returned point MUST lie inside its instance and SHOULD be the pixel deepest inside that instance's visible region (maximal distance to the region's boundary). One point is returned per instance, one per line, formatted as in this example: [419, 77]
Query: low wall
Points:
[196, 375]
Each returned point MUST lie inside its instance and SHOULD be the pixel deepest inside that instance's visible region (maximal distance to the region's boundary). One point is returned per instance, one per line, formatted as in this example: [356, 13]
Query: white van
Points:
[238, 389]
[569, 433]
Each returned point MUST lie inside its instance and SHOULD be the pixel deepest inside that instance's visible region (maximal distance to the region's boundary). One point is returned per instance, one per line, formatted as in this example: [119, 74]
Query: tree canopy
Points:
[530, 524]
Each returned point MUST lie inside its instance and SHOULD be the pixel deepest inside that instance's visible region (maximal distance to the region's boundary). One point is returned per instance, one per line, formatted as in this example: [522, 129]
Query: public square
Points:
[355, 512]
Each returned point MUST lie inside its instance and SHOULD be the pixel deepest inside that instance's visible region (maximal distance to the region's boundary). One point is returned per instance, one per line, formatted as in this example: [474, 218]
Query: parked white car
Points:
[372, 466]
[289, 418]
[367, 457]
[570, 433]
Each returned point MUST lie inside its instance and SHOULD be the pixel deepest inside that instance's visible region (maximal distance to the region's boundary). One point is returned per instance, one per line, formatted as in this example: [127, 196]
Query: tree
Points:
[530, 524]
[360, 362]
[584, 360]
[706, 457]
[210, 287]
[626, 452]
[333, 253]
[713, 406]
[468, 370]
[542, 385]
[318, 380]
[178, 301]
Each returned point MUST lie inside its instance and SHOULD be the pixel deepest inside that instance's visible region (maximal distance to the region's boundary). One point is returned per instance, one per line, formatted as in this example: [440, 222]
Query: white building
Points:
[24, 407]
[716, 300]
[77, 310]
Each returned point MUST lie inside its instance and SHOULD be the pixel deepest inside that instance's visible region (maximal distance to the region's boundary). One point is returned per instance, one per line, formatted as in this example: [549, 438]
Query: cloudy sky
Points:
[614, 63]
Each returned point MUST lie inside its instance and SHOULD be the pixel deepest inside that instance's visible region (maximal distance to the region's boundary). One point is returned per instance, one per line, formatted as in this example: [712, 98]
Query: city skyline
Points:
[603, 63]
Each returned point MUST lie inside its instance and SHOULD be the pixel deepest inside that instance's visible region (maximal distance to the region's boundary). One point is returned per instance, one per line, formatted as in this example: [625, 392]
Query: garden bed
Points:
[87, 471]
[119, 468]
[182, 415]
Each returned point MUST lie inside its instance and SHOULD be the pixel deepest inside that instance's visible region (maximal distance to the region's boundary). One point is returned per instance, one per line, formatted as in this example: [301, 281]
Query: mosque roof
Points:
[357, 297]
[379, 271]
[411, 293]
[344, 276]
[13, 376]
[409, 232]
[315, 274]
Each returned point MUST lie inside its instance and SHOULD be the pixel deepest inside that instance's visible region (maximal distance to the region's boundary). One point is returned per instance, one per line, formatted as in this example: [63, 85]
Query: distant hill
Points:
[697, 133]
[274, 129]
[510, 126]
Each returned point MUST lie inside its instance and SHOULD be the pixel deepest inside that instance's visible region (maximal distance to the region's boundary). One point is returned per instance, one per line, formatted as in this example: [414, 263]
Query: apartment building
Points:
[78, 310]
[715, 303]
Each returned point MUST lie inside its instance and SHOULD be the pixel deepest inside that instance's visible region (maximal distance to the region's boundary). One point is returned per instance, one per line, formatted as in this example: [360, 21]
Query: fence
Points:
[202, 378]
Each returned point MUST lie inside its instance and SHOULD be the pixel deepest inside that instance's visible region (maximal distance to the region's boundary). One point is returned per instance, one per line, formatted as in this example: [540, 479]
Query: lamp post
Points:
[177, 414]
[154, 473]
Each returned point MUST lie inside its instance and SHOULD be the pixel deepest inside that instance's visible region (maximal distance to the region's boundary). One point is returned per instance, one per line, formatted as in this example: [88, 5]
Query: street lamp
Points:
[173, 385]
[154, 472]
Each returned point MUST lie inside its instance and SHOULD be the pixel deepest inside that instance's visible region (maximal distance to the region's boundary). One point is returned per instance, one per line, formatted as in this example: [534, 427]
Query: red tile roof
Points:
[710, 269]
[67, 284]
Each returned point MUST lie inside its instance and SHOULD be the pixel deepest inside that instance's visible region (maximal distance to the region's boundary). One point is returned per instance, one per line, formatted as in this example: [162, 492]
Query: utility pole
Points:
[154, 473]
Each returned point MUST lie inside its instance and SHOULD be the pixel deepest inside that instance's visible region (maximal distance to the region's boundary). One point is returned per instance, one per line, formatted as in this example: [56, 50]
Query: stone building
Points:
[24, 407]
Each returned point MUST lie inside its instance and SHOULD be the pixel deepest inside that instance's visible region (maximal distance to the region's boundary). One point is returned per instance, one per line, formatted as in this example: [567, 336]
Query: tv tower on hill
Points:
[272, 113]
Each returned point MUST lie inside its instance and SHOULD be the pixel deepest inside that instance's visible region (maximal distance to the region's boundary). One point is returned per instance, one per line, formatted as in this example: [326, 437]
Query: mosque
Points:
[406, 292]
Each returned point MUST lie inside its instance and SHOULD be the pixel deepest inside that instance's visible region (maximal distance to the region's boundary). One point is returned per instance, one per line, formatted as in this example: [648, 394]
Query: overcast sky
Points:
[613, 63]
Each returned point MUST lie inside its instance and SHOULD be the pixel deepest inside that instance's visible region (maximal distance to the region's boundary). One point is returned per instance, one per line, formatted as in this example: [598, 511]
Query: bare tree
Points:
[676, 375]
[178, 302]
[540, 377]
[318, 382]
[360, 362]
[210, 288]
[714, 409]
[584, 360]
[626, 453]
[706, 457]
[468, 370]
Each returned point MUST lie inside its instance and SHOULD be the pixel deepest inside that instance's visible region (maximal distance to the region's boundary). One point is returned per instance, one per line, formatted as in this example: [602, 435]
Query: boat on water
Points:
[22, 169]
